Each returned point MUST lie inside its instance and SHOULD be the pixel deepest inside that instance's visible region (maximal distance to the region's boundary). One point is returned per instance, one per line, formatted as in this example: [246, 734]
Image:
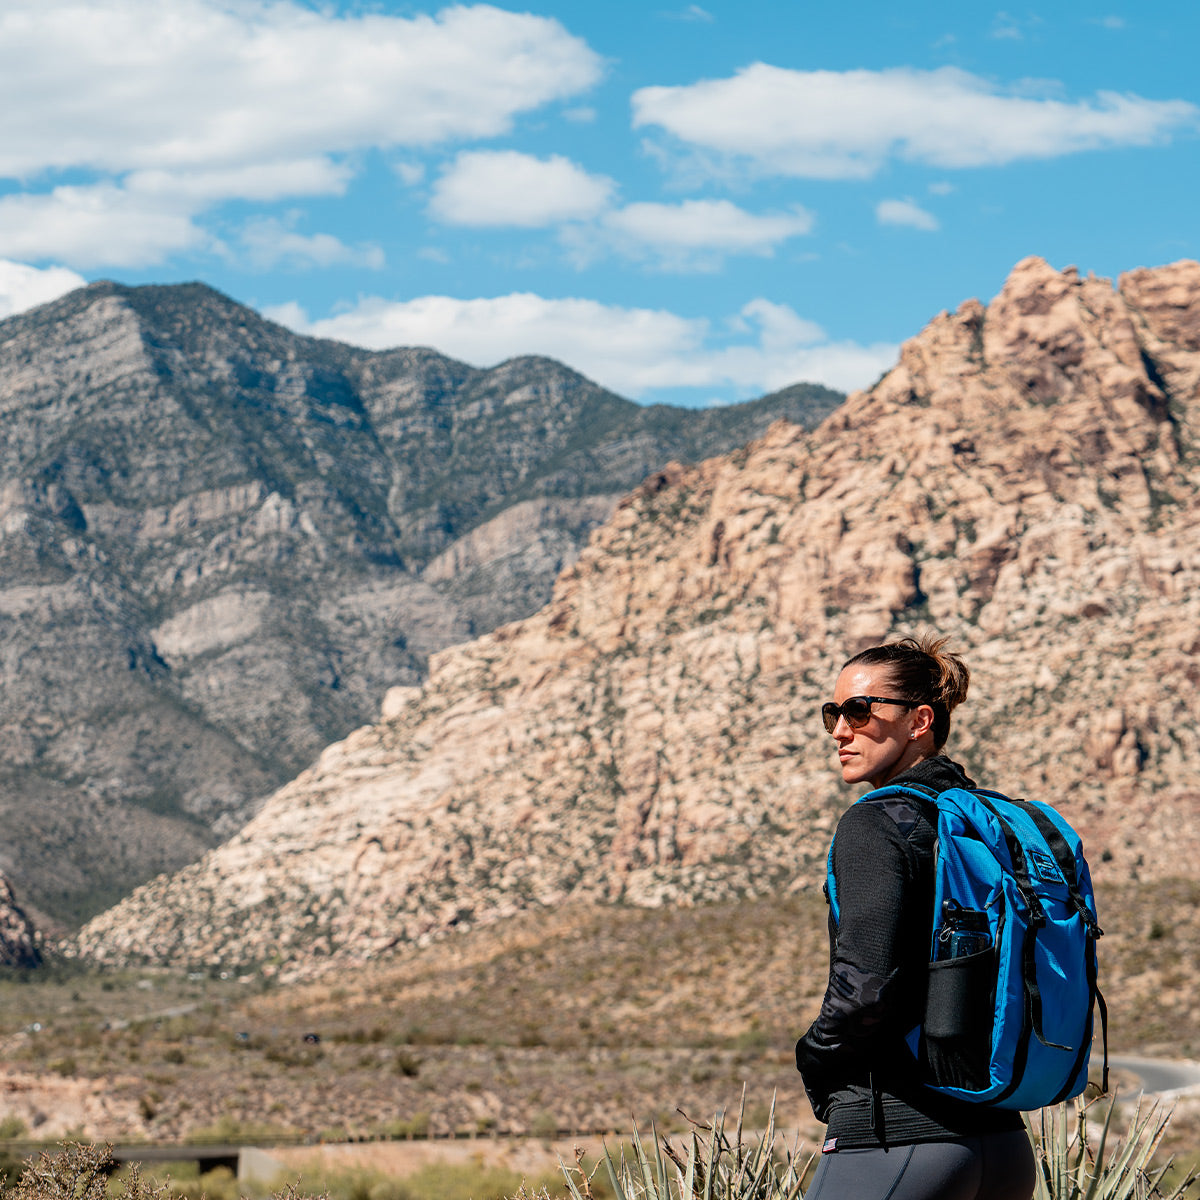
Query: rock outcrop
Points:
[1025, 480]
[20, 942]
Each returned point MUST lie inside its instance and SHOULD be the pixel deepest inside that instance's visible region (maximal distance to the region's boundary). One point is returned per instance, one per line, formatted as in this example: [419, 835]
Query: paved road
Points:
[1160, 1076]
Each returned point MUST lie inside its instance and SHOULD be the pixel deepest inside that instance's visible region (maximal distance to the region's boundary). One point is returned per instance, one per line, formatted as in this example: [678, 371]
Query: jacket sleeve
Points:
[873, 867]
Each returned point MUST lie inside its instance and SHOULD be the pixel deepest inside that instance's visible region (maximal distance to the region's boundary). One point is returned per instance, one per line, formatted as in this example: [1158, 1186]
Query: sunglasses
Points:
[856, 710]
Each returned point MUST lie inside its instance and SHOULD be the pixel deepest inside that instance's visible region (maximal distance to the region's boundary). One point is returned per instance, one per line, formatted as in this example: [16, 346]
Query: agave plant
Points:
[709, 1166]
[713, 1166]
[1070, 1168]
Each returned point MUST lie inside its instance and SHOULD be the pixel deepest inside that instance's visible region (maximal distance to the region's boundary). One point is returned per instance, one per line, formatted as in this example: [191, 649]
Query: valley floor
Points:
[583, 1020]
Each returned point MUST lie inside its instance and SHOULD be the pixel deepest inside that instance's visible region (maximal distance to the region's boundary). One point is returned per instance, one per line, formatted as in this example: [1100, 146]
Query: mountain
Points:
[220, 543]
[1025, 480]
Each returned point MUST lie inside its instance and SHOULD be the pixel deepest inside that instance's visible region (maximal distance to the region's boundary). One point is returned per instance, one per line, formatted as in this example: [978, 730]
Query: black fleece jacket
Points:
[858, 1072]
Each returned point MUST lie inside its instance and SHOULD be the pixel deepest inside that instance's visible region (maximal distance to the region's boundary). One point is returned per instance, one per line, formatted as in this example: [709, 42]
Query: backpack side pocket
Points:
[956, 1041]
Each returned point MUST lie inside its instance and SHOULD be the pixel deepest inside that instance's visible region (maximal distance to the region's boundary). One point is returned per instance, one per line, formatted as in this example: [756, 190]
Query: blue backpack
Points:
[1012, 972]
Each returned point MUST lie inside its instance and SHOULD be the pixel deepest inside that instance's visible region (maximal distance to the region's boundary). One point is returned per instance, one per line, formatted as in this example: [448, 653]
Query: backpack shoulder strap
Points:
[926, 798]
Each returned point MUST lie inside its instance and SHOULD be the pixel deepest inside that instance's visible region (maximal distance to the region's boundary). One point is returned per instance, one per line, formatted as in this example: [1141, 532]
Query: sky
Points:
[689, 203]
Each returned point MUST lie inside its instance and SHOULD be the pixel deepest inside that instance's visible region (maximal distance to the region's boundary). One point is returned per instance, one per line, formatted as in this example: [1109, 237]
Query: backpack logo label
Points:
[1043, 866]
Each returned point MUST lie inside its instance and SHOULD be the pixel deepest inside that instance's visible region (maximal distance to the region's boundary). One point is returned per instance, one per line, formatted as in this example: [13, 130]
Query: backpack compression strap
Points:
[1037, 917]
[1066, 864]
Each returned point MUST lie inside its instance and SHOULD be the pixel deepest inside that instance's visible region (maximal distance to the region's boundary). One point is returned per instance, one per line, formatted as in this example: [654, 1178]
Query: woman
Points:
[890, 1138]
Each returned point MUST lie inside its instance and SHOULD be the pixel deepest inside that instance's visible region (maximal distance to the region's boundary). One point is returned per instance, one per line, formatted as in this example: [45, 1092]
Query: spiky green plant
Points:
[710, 1166]
[1070, 1168]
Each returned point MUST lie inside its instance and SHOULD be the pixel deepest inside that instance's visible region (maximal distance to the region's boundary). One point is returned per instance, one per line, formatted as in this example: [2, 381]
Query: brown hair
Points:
[925, 673]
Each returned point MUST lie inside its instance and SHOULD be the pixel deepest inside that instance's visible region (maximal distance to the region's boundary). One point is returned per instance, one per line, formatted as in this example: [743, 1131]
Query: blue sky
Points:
[694, 203]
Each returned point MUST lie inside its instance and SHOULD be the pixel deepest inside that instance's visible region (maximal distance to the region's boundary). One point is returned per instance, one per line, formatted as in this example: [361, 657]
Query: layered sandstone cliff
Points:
[1025, 480]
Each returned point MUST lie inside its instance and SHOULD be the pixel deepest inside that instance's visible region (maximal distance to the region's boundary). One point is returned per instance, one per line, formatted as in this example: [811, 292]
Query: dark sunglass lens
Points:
[857, 711]
[829, 715]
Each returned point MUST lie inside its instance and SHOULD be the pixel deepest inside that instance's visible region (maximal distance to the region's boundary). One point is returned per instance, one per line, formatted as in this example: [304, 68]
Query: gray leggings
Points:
[996, 1166]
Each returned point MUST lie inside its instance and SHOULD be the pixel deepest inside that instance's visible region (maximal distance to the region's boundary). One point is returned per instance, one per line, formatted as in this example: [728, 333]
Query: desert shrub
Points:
[230, 1129]
[416, 1126]
[462, 1181]
[544, 1125]
[81, 1172]
[436, 1181]
[406, 1063]
[361, 1185]
[12, 1127]
[217, 1184]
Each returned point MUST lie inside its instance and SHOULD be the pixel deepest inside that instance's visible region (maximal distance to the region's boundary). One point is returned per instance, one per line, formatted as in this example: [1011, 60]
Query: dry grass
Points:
[582, 1019]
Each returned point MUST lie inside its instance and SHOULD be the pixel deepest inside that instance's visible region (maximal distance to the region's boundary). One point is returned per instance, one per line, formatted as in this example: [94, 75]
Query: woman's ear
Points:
[922, 721]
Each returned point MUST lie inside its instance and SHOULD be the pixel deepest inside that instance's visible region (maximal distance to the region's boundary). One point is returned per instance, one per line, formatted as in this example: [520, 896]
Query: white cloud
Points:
[708, 225]
[100, 225]
[23, 286]
[846, 125]
[256, 181]
[507, 188]
[153, 214]
[1006, 28]
[781, 328]
[191, 84]
[905, 212]
[763, 347]
[409, 173]
[693, 235]
[270, 242]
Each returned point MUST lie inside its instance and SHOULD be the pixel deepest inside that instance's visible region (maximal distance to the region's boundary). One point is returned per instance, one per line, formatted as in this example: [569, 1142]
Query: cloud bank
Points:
[123, 123]
[848, 124]
[632, 351]
[134, 84]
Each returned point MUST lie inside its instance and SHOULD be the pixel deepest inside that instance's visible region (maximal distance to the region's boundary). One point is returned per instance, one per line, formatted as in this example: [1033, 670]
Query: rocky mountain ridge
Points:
[221, 542]
[1025, 481]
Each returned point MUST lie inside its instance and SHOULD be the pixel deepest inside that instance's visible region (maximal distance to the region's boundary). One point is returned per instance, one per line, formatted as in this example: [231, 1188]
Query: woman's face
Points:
[885, 745]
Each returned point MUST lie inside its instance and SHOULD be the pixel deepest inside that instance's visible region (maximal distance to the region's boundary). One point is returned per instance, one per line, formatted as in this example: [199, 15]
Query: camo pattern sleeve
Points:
[869, 993]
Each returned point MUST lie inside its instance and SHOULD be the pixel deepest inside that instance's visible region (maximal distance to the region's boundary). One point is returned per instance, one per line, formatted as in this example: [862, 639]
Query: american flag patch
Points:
[830, 1146]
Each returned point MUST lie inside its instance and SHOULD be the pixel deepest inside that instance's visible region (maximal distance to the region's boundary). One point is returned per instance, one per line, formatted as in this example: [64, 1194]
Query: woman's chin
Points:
[852, 772]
